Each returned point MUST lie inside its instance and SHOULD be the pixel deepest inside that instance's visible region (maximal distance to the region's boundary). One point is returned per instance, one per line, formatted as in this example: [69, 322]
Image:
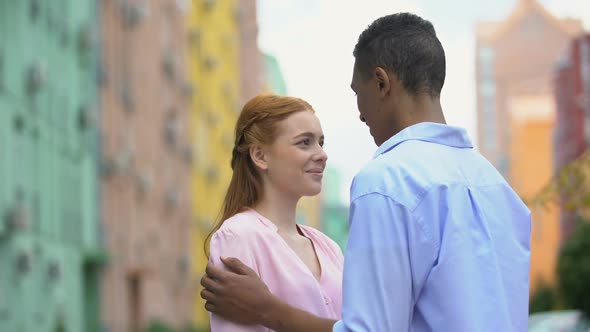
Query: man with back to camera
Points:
[438, 240]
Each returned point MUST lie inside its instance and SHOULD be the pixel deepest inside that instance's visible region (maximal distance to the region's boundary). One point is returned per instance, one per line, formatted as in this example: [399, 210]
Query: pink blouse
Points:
[253, 239]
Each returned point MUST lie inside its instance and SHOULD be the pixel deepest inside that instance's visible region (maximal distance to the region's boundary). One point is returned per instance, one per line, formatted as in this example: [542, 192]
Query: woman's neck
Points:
[281, 210]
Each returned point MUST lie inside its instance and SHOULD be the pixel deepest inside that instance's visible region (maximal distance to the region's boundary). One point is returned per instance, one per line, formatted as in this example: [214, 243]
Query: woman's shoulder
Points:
[242, 223]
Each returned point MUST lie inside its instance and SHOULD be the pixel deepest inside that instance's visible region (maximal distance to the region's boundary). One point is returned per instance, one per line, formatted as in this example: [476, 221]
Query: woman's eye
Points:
[306, 141]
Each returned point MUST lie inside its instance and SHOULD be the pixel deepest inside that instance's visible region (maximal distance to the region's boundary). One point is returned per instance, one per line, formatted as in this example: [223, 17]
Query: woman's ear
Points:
[258, 155]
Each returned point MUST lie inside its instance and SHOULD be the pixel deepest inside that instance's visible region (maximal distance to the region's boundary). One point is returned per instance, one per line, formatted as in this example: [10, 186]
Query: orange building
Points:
[531, 167]
[516, 111]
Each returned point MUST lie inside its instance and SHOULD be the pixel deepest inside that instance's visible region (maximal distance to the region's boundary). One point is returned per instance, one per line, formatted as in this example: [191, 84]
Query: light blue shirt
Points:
[438, 240]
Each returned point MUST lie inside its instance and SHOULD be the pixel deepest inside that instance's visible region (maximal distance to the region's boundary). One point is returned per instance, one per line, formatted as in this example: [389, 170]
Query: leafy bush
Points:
[544, 299]
[573, 269]
[158, 326]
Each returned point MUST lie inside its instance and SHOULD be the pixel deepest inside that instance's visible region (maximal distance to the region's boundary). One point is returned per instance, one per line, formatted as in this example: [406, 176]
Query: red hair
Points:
[257, 125]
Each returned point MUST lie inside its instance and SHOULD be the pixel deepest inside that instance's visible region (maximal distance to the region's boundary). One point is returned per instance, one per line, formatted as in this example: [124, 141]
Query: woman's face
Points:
[296, 160]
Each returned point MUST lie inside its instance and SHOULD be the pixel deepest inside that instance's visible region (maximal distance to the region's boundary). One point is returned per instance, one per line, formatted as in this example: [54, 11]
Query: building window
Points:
[585, 64]
[135, 301]
[487, 95]
[486, 62]
[585, 73]
[1, 70]
[503, 167]
[487, 89]
[488, 105]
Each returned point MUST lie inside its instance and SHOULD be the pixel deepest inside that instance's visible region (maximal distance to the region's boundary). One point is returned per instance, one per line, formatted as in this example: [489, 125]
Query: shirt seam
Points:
[414, 217]
[238, 237]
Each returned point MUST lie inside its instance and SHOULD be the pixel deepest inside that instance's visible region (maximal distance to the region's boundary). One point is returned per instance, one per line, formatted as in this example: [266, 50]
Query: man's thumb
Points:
[235, 265]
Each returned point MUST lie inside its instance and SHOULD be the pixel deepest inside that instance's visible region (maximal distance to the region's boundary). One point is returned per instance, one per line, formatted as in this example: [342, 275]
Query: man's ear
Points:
[383, 79]
[258, 155]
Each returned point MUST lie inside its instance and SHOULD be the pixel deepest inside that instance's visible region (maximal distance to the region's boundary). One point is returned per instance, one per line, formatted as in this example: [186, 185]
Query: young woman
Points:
[278, 158]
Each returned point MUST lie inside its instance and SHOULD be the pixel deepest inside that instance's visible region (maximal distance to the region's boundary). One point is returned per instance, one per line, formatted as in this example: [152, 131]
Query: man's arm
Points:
[386, 253]
[240, 296]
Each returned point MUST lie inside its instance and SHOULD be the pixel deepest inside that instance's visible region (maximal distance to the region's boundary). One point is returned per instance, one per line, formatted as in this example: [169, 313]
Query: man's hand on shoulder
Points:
[237, 294]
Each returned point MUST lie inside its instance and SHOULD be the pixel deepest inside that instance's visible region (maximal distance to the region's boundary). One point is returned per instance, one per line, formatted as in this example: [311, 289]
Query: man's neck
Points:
[420, 109]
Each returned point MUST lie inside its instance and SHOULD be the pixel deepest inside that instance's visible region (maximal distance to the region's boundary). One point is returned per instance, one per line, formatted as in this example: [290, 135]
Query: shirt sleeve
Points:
[386, 247]
[227, 244]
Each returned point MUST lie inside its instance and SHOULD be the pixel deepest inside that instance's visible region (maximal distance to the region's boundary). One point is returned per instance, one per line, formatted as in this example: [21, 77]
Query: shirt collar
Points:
[269, 224]
[262, 219]
[428, 132]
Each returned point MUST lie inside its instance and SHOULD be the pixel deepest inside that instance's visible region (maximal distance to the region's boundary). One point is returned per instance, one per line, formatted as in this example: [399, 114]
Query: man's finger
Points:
[207, 295]
[215, 272]
[210, 306]
[210, 284]
[236, 265]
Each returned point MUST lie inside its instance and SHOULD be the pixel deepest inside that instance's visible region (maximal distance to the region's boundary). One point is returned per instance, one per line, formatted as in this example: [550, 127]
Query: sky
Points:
[313, 42]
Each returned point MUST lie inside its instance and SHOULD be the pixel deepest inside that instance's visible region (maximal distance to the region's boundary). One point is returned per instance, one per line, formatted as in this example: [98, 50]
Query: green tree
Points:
[570, 185]
[544, 299]
[573, 269]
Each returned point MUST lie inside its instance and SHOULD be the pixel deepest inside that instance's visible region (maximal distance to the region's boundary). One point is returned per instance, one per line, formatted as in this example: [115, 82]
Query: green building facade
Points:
[48, 152]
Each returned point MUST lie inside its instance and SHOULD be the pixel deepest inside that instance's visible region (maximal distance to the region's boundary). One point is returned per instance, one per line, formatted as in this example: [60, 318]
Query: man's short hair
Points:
[406, 45]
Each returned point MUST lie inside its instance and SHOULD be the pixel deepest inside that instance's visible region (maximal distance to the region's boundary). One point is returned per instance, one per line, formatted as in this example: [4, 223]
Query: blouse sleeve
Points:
[227, 244]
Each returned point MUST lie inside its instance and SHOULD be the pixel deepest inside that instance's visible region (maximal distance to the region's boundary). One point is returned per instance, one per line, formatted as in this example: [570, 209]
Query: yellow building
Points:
[212, 62]
[225, 69]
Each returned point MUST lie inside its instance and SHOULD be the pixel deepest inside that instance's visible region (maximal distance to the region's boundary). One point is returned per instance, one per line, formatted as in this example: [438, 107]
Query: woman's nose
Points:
[322, 155]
